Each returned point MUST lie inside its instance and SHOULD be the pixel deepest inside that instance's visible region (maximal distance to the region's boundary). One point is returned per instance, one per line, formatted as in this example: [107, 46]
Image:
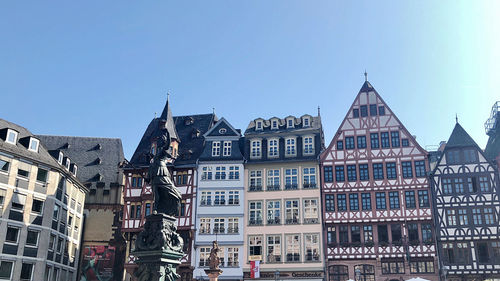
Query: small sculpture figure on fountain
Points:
[213, 263]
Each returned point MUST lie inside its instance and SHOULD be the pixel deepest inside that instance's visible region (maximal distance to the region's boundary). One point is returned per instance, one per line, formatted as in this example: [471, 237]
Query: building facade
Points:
[42, 209]
[466, 199]
[98, 161]
[186, 134]
[283, 230]
[220, 201]
[376, 197]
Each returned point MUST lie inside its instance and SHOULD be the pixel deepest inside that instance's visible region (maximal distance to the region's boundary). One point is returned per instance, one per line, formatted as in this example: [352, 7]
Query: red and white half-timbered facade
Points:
[376, 197]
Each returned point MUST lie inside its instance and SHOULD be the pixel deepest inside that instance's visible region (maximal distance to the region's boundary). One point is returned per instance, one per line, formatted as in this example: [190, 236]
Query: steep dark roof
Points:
[190, 130]
[166, 116]
[460, 138]
[230, 134]
[366, 87]
[282, 128]
[93, 156]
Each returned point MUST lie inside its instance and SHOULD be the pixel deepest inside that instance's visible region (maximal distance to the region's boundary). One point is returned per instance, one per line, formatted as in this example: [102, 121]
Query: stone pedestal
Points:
[213, 274]
[158, 249]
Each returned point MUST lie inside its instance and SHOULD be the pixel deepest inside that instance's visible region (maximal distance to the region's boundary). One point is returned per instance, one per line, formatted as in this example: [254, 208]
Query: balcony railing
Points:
[205, 202]
[309, 185]
[292, 221]
[291, 186]
[232, 230]
[255, 188]
[311, 220]
[233, 264]
[255, 222]
[219, 202]
[219, 230]
[273, 187]
[205, 230]
[233, 202]
[273, 258]
[292, 257]
[275, 220]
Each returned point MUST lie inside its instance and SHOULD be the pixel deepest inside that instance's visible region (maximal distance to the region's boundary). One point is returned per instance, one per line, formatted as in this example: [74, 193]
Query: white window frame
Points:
[256, 177]
[226, 151]
[312, 245]
[292, 246]
[68, 163]
[309, 213]
[290, 147]
[273, 179]
[233, 259]
[60, 157]
[233, 225]
[37, 237]
[216, 148]
[205, 225]
[306, 145]
[275, 124]
[255, 149]
[306, 122]
[14, 133]
[290, 123]
[276, 246]
[205, 253]
[308, 177]
[290, 211]
[11, 268]
[259, 125]
[219, 225]
[273, 148]
[34, 141]
[17, 237]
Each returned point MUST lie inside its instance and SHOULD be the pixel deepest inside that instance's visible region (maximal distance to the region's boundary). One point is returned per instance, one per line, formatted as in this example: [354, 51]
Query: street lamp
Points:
[357, 273]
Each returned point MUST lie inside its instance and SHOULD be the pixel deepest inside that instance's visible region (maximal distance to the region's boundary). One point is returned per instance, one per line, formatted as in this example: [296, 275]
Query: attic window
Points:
[274, 124]
[11, 136]
[68, 163]
[74, 169]
[222, 131]
[60, 158]
[306, 122]
[34, 143]
[289, 123]
[258, 125]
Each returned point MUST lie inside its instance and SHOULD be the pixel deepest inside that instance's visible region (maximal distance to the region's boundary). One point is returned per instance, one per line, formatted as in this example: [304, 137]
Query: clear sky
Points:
[103, 68]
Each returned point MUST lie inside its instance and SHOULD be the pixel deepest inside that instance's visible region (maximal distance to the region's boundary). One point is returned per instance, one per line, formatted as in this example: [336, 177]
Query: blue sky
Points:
[103, 68]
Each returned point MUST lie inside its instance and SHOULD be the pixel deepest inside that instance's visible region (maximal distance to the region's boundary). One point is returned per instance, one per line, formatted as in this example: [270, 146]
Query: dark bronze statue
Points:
[213, 259]
[167, 196]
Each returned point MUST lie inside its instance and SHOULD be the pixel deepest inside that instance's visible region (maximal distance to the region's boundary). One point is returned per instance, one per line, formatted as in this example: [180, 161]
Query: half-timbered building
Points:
[186, 134]
[376, 197]
[220, 207]
[467, 207]
[283, 230]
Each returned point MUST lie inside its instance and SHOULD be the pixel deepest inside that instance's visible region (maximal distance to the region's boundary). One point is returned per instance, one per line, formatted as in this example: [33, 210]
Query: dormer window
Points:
[274, 124]
[34, 143]
[216, 148]
[67, 162]
[60, 158]
[74, 169]
[289, 123]
[255, 149]
[11, 136]
[258, 125]
[227, 149]
[306, 122]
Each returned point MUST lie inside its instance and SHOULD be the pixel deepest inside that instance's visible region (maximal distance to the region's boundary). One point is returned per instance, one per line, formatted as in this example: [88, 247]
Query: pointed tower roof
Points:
[166, 116]
[366, 87]
[460, 138]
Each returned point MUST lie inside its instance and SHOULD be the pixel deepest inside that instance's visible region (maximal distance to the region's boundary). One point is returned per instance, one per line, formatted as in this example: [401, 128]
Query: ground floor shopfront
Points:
[288, 275]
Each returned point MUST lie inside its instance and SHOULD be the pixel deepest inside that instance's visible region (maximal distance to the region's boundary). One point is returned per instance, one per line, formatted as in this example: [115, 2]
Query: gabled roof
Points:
[166, 116]
[93, 156]
[222, 124]
[460, 138]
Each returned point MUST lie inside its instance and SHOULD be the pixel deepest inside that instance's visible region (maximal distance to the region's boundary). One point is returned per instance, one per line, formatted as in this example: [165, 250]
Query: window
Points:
[34, 143]
[484, 184]
[292, 211]
[452, 157]
[255, 180]
[366, 201]
[331, 236]
[470, 156]
[226, 151]
[413, 232]
[341, 202]
[380, 200]
[273, 148]
[394, 200]
[274, 248]
[220, 173]
[482, 252]
[374, 141]
[311, 211]
[55, 213]
[291, 179]
[309, 177]
[368, 233]
[216, 148]
[463, 218]
[274, 212]
[381, 110]
[349, 142]
[383, 236]
[384, 139]
[339, 173]
[395, 139]
[147, 211]
[447, 187]
[426, 232]
[340, 145]
[37, 206]
[136, 181]
[459, 185]
[26, 271]
[219, 225]
[351, 173]
[472, 184]
[312, 247]
[353, 202]
[391, 170]
[396, 233]
[363, 172]
[364, 110]
[12, 234]
[255, 245]
[306, 122]
[343, 234]
[355, 234]
[234, 172]
[355, 113]
[289, 123]
[205, 225]
[138, 212]
[41, 175]
[6, 269]
[32, 238]
[373, 110]
[407, 169]
[290, 147]
[255, 149]
[489, 217]
[292, 247]
[476, 216]
[206, 198]
[330, 203]
[204, 255]
[232, 225]
[206, 174]
[274, 124]
[361, 142]
[423, 199]
[378, 171]
[367, 272]
[405, 143]
[220, 198]
[328, 173]
[338, 273]
[255, 213]
[234, 197]
[23, 173]
[11, 136]
[258, 125]
[410, 199]
[308, 145]
[4, 166]
[393, 267]
[421, 266]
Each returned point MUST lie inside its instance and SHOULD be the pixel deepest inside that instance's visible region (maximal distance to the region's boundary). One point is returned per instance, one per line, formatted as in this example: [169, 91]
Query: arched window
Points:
[367, 272]
[338, 273]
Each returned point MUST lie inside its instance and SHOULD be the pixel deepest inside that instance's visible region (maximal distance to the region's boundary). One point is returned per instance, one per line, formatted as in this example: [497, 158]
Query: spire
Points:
[166, 116]
[366, 76]
[319, 111]
[456, 118]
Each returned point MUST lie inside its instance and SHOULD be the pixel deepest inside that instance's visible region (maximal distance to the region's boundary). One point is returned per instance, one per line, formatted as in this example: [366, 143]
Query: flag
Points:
[254, 269]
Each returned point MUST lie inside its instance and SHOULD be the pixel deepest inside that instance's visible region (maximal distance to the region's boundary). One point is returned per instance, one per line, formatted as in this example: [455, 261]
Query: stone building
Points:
[41, 201]
[282, 219]
[377, 210]
[98, 161]
[220, 201]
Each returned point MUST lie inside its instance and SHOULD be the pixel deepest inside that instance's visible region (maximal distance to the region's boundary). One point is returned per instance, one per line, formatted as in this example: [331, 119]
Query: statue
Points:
[213, 259]
[167, 197]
